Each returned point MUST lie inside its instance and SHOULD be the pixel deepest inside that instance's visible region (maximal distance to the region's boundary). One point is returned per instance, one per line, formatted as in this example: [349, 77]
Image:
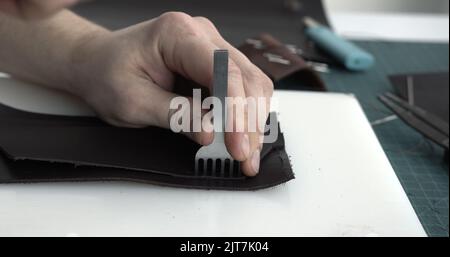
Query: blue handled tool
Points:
[351, 56]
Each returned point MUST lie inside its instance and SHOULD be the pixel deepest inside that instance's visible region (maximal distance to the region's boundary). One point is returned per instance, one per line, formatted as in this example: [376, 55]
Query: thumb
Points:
[150, 105]
[191, 120]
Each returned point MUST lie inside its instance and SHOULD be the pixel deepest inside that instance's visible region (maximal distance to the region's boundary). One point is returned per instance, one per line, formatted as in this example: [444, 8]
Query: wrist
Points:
[83, 59]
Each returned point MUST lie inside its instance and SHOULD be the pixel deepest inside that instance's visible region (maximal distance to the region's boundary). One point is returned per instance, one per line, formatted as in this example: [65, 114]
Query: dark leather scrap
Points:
[50, 148]
[430, 91]
[295, 67]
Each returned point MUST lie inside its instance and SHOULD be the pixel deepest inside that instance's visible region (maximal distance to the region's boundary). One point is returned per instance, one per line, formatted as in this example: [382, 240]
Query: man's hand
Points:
[34, 9]
[128, 76]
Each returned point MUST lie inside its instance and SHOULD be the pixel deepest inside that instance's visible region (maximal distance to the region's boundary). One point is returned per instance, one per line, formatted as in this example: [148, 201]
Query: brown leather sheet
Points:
[49, 148]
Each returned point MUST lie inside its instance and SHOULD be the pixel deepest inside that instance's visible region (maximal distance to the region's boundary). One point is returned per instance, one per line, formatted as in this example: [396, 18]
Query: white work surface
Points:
[344, 185]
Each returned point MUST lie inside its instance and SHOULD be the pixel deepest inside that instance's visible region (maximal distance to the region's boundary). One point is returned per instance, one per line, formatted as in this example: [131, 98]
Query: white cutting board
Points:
[344, 185]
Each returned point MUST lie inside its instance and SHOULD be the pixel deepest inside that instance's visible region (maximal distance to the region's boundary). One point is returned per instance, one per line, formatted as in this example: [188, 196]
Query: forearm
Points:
[43, 51]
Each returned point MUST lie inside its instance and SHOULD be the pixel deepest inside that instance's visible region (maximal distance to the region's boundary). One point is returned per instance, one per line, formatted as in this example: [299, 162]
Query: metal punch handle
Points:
[220, 91]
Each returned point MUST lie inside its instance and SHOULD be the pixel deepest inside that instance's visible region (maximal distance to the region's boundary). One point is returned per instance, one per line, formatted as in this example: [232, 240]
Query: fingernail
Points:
[255, 161]
[245, 146]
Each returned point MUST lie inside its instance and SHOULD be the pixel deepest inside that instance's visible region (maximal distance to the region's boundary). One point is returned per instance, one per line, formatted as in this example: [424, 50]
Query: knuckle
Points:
[205, 21]
[260, 80]
[234, 71]
[267, 83]
[178, 21]
[235, 75]
[176, 17]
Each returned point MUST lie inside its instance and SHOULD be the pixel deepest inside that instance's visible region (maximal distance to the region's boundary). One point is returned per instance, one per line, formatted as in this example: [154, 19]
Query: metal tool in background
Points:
[214, 160]
[316, 66]
[428, 124]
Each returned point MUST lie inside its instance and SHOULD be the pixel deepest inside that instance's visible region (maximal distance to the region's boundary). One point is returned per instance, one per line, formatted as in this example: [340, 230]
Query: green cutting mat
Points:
[418, 163]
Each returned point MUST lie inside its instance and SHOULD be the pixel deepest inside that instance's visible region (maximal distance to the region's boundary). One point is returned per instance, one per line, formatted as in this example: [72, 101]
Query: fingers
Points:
[256, 85]
[187, 50]
[177, 114]
[34, 9]
[201, 71]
